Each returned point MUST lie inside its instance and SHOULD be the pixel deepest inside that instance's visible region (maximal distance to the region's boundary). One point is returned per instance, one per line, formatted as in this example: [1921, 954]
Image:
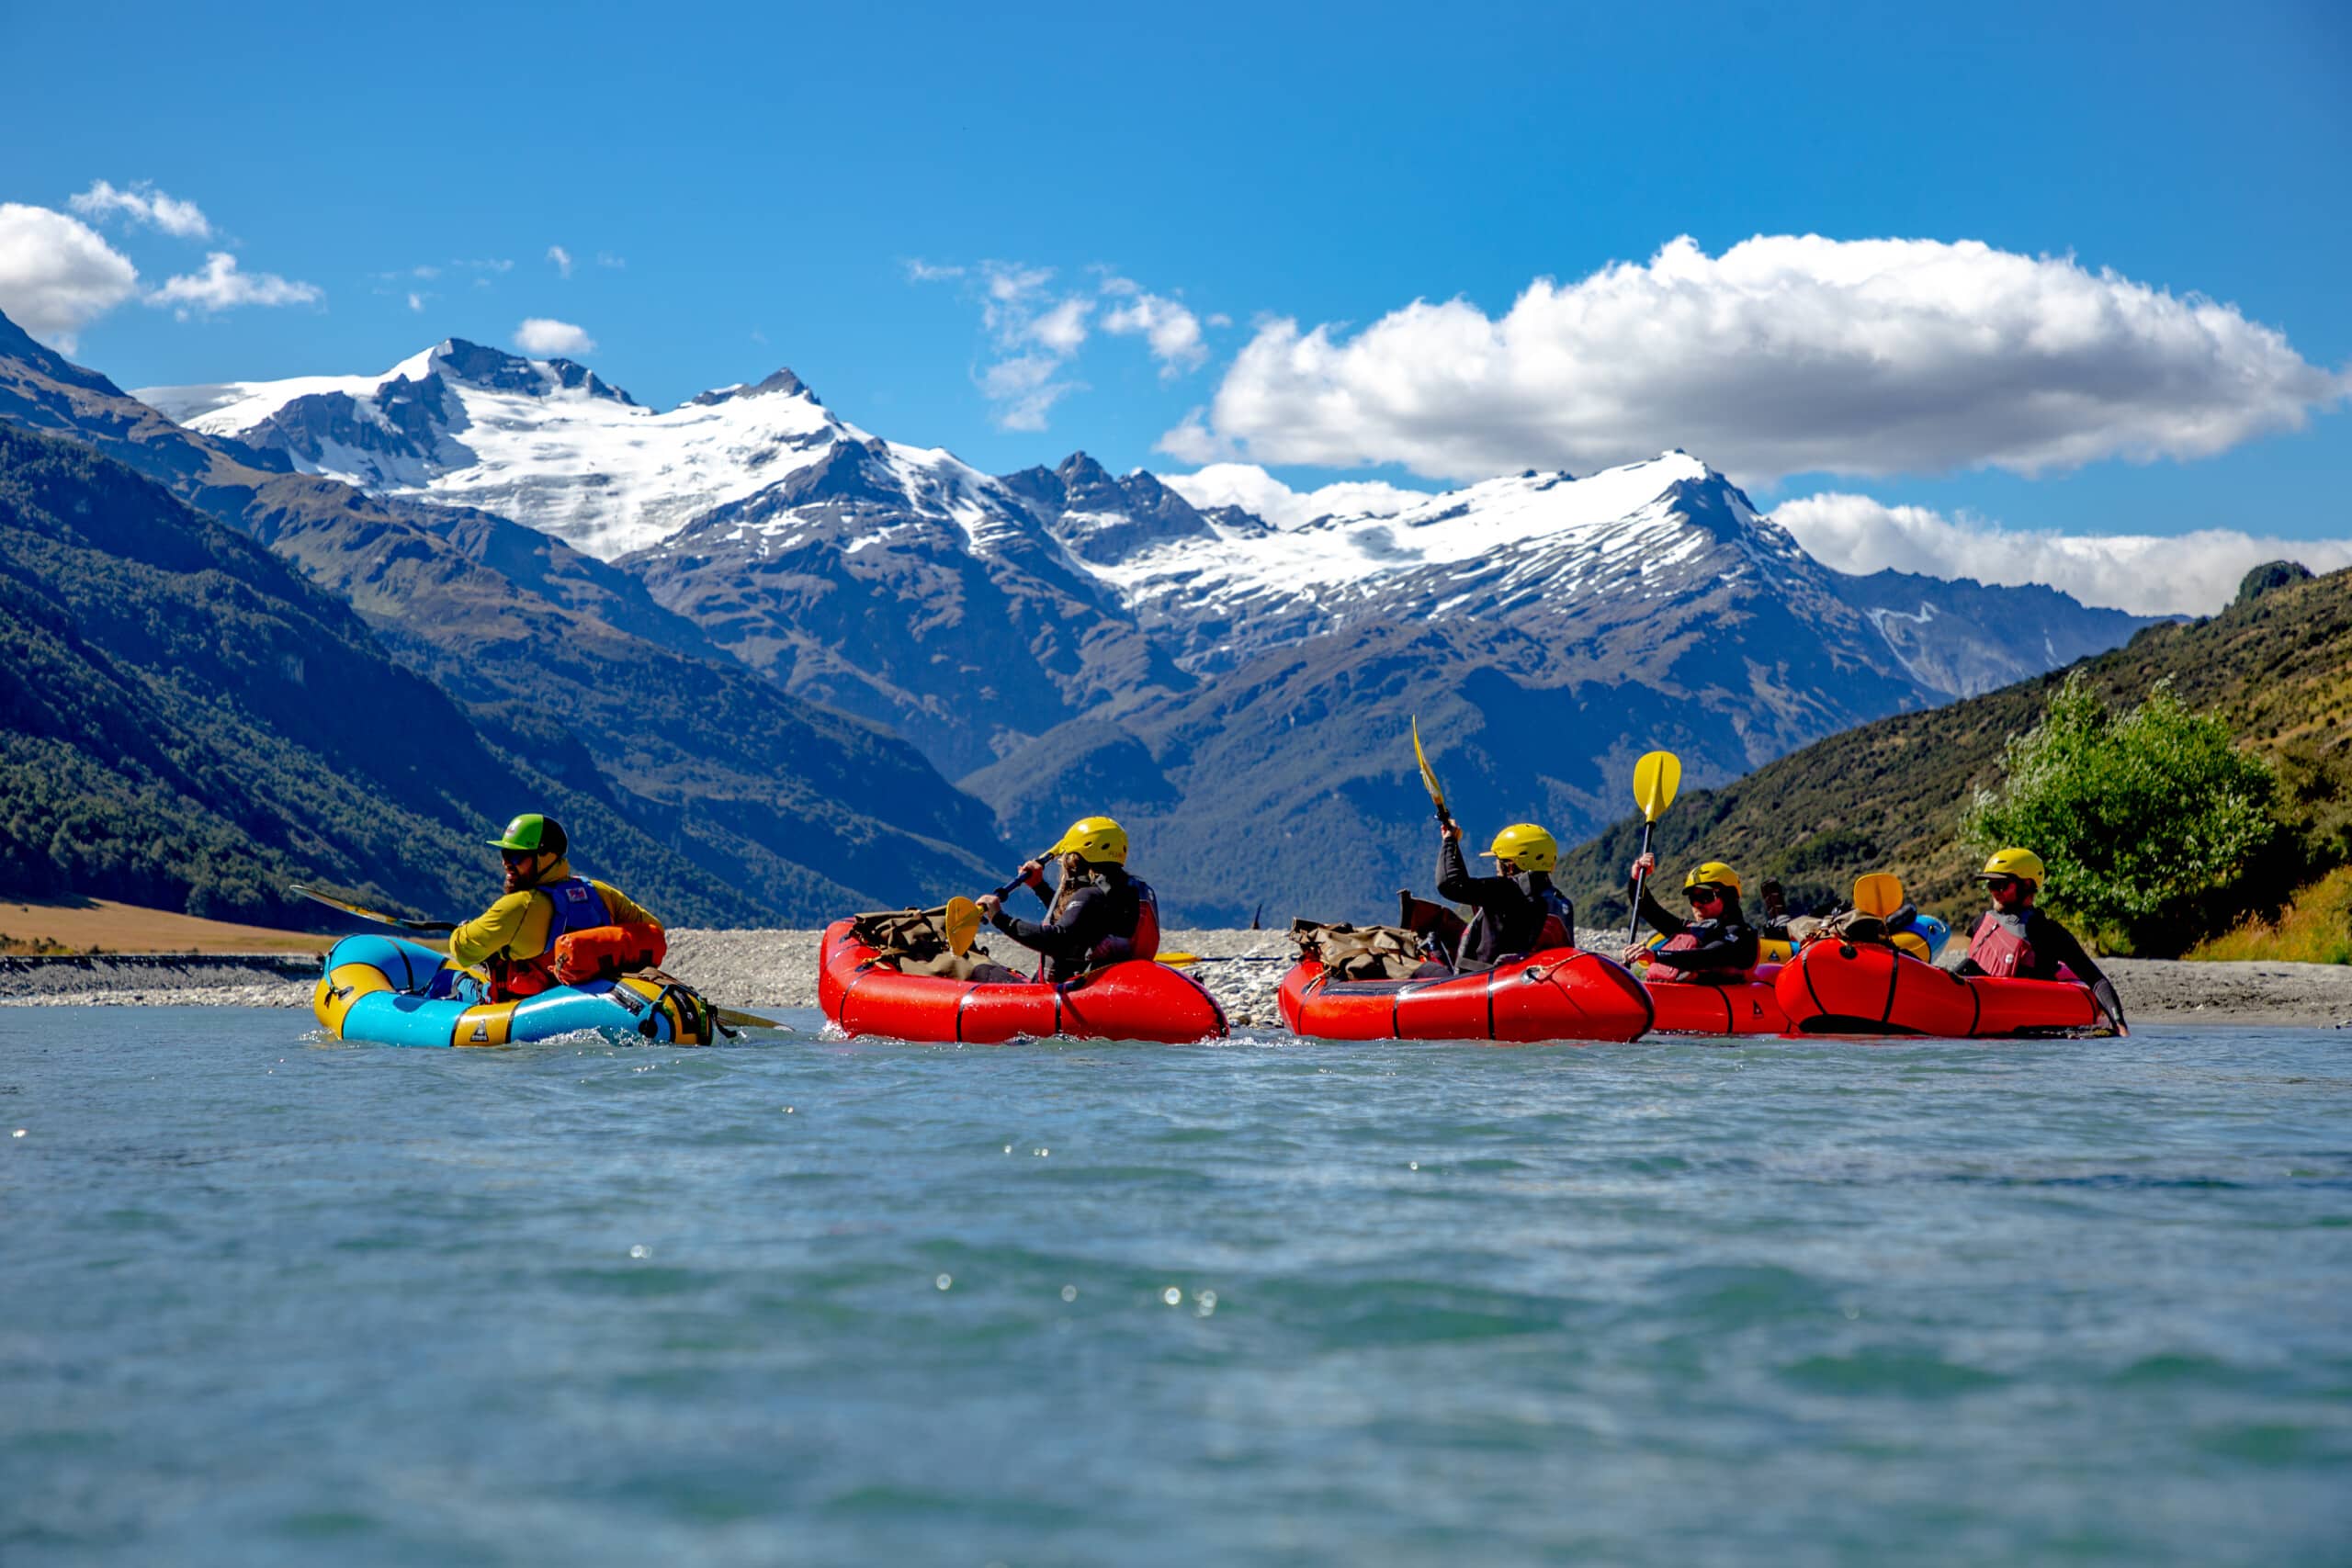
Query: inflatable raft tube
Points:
[1135, 1000]
[1834, 987]
[1687, 1007]
[381, 990]
[1562, 993]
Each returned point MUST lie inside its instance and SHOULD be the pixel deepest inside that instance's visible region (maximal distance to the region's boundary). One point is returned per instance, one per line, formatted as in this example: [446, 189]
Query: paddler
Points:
[2013, 939]
[1519, 911]
[1101, 916]
[515, 940]
[1715, 946]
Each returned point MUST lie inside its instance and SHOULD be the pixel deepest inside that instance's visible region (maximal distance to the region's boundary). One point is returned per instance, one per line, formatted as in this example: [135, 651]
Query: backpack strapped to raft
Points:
[1366, 952]
[913, 941]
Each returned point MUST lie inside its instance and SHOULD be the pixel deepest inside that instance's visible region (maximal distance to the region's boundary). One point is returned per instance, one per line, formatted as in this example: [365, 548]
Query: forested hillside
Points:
[188, 724]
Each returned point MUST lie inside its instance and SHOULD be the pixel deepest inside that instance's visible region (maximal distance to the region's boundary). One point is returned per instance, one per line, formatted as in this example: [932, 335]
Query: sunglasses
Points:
[2000, 884]
[518, 857]
[1706, 895]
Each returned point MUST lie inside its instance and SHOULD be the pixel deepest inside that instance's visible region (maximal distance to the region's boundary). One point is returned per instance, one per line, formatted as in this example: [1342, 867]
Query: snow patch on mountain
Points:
[544, 442]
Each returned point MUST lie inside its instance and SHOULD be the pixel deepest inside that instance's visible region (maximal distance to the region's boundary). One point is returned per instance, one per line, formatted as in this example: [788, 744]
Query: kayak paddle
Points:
[1429, 777]
[962, 916]
[1878, 893]
[1655, 778]
[423, 928]
[1179, 960]
[727, 1016]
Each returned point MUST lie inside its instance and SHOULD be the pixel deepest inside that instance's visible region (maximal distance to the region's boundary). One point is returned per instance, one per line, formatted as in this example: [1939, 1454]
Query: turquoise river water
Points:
[270, 1301]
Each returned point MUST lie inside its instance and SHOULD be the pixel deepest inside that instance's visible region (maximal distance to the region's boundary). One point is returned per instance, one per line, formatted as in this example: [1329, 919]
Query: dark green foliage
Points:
[2155, 827]
[2270, 575]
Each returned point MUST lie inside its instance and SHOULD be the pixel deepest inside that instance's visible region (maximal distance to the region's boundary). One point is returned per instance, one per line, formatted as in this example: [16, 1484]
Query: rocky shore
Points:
[778, 969]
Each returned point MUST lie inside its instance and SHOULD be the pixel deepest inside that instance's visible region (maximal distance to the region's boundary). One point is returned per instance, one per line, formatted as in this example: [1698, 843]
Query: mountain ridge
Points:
[806, 810]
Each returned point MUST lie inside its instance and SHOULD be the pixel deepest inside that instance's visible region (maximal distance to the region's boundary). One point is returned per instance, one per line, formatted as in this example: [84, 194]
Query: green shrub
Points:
[2155, 828]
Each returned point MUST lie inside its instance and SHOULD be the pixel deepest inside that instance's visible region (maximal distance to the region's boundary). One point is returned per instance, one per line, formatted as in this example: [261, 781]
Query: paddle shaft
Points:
[422, 928]
[1633, 930]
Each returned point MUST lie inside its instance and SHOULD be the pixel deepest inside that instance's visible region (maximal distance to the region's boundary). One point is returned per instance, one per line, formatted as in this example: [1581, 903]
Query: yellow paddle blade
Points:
[1178, 959]
[1879, 893]
[962, 924]
[1655, 778]
[1429, 774]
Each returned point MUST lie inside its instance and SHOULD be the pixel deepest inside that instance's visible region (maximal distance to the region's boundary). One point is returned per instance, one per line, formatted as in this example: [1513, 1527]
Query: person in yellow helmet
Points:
[1517, 911]
[2013, 938]
[515, 940]
[1715, 946]
[1102, 915]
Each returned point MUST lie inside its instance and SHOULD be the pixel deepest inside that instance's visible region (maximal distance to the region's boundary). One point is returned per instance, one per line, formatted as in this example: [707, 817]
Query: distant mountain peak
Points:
[781, 383]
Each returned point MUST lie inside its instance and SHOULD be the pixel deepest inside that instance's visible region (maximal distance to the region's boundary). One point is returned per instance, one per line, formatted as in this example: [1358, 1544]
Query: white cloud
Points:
[415, 302]
[1784, 355]
[1252, 489]
[539, 334]
[1024, 389]
[606, 258]
[562, 259]
[1034, 330]
[1172, 332]
[1062, 329]
[57, 275]
[142, 203]
[223, 286]
[2180, 574]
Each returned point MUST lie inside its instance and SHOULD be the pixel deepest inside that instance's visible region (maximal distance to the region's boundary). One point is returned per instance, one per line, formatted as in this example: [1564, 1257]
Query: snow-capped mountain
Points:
[1061, 637]
[543, 442]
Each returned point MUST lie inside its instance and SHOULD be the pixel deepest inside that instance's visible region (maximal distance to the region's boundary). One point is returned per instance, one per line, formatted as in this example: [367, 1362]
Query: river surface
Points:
[268, 1300]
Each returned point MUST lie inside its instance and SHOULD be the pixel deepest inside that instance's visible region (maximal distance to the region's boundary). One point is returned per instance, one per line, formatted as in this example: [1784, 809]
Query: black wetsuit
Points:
[2052, 944]
[1511, 909]
[1727, 944]
[1096, 910]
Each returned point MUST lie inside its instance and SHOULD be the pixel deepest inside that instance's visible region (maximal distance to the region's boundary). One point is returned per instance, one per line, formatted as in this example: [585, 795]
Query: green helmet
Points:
[533, 834]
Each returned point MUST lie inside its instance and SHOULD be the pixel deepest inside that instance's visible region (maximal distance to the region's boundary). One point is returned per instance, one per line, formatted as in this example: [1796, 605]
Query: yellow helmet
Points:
[1715, 874]
[1527, 846]
[2012, 862]
[1096, 839]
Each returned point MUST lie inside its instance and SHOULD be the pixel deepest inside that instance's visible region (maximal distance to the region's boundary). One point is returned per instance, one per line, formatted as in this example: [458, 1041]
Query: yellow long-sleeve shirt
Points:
[516, 926]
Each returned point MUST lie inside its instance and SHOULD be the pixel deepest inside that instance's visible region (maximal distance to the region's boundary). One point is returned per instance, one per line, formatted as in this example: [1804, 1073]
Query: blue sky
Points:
[761, 180]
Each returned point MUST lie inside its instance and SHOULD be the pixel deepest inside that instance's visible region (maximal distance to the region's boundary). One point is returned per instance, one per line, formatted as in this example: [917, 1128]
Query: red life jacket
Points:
[1142, 938]
[578, 906]
[1997, 950]
[1667, 974]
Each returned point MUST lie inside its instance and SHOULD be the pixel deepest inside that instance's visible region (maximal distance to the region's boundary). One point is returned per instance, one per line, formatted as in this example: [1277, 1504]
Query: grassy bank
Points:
[2315, 928]
[101, 925]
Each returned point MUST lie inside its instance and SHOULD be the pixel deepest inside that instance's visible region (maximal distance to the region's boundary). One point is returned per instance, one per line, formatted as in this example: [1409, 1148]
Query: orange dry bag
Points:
[606, 953]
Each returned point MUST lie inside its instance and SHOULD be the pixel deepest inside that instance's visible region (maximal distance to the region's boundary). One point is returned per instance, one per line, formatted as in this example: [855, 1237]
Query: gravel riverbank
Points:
[778, 968]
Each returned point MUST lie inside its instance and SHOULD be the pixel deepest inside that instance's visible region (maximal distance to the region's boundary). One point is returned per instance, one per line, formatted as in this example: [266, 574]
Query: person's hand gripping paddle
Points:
[1655, 778]
[962, 919]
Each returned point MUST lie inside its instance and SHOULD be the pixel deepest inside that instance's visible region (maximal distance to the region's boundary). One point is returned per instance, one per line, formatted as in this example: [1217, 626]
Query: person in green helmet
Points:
[550, 927]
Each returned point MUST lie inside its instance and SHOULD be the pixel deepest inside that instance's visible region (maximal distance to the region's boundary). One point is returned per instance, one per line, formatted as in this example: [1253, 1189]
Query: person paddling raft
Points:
[2014, 939]
[1102, 915]
[1715, 946]
[1518, 911]
[551, 928]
